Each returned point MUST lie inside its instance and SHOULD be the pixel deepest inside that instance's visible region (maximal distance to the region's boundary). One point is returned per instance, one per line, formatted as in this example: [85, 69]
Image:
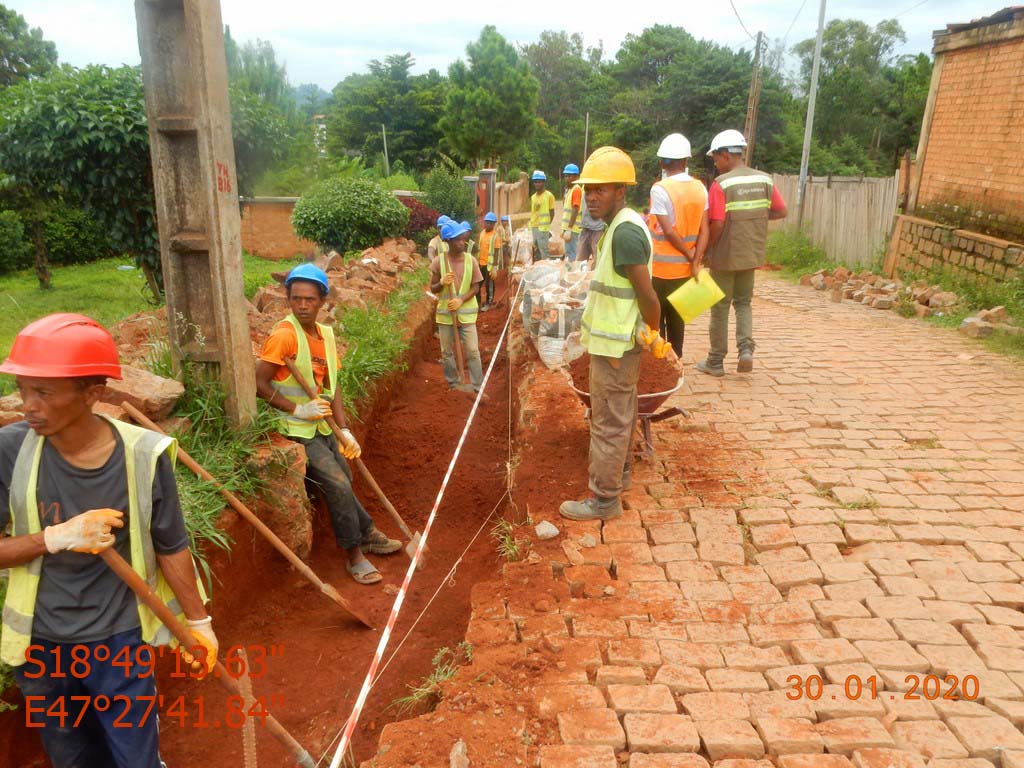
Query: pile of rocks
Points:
[880, 292]
[988, 321]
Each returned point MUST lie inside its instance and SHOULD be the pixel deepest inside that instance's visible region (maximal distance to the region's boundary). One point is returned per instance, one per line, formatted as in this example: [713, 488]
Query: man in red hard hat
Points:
[311, 344]
[73, 484]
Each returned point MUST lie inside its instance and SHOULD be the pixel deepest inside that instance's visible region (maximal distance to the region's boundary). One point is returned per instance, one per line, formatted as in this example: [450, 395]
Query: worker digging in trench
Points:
[72, 485]
[313, 347]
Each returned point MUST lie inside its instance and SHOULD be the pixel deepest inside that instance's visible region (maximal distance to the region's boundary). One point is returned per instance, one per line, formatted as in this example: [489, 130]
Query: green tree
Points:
[261, 137]
[349, 214]
[253, 68]
[23, 51]
[492, 104]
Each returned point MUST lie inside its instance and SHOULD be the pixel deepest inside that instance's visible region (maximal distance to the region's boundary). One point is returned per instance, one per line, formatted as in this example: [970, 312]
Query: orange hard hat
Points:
[63, 346]
[608, 165]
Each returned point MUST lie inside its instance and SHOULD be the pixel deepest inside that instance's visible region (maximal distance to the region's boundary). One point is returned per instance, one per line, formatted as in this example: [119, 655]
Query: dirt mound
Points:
[655, 375]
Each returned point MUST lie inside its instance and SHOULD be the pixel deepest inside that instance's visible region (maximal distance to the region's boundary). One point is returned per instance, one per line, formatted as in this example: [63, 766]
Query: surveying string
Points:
[385, 636]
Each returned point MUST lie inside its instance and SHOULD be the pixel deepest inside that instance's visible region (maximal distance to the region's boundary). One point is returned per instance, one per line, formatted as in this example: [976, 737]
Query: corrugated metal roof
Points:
[1007, 14]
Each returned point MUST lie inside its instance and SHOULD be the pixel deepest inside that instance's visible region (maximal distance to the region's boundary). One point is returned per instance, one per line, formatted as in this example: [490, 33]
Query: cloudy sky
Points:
[322, 41]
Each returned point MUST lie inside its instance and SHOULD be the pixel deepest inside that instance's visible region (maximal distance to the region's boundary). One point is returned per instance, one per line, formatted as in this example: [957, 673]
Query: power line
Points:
[740, 20]
[785, 37]
[904, 13]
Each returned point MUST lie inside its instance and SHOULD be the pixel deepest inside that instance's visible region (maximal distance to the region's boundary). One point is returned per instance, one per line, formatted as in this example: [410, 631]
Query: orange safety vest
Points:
[688, 200]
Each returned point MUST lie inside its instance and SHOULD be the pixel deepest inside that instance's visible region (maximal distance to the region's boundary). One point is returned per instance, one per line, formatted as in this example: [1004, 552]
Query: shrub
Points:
[402, 181]
[422, 220]
[349, 214]
[15, 250]
[72, 237]
[449, 194]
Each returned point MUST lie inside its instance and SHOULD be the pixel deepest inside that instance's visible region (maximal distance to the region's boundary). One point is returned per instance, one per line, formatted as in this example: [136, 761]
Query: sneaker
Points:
[704, 367]
[376, 542]
[591, 509]
[746, 362]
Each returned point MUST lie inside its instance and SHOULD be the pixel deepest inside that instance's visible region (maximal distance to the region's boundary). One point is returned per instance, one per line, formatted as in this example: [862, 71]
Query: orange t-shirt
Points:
[283, 343]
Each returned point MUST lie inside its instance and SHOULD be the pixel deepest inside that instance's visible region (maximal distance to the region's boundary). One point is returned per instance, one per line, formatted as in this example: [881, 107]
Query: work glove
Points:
[448, 279]
[314, 410]
[567, 236]
[454, 304]
[652, 341]
[350, 448]
[202, 631]
[88, 532]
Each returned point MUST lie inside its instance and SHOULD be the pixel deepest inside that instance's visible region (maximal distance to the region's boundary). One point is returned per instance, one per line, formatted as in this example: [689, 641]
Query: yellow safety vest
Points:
[612, 312]
[541, 204]
[567, 210]
[142, 449]
[468, 311]
[293, 391]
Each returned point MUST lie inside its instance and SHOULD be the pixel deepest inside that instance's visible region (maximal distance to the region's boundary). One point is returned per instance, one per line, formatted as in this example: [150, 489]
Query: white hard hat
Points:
[675, 146]
[730, 139]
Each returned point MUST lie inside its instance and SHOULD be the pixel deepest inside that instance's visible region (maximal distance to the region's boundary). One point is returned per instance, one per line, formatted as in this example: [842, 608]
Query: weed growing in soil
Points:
[446, 663]
[861, 504]
[509, 547]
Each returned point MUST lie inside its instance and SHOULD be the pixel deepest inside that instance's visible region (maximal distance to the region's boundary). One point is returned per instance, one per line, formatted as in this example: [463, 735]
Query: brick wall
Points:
[922, 246]
[973, 171]
[267, 229]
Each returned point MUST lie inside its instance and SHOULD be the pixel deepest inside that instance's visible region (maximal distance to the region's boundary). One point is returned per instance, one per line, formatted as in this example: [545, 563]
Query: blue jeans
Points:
[122, 736]
[570, 247]
[470, 350]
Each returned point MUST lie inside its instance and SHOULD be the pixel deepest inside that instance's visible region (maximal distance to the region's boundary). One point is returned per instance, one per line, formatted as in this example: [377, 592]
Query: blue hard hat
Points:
[452, 229]
[490, 216]
[571, 168]
[442, 219]
[504, 218]
[538, 176]
[309, 272]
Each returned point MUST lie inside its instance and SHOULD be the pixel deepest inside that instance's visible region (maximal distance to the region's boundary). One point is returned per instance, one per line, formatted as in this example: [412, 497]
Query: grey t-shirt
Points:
[80, 599]
[589, 222]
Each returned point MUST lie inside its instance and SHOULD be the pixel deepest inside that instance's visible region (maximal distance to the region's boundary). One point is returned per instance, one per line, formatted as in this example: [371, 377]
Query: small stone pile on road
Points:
[988, 321]
[880, 292]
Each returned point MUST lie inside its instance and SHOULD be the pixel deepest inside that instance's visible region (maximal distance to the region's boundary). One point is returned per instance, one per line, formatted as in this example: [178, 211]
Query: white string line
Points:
[400, 597]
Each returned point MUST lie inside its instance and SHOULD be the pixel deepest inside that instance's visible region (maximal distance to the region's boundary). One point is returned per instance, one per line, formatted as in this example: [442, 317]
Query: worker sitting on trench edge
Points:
[312, 345]
[73, 484]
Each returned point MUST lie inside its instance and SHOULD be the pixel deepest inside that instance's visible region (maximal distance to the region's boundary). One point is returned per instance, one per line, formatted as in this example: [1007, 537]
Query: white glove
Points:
[350, 448]
[202, 631]
[567, 235]
[314, 410]
[88, 532]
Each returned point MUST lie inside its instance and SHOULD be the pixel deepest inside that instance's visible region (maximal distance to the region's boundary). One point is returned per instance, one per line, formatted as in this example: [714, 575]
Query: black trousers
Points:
[485, 293]
[672, 326]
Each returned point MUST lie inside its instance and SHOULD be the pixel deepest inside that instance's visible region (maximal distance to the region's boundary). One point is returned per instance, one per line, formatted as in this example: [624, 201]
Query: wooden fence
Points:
[850, 217]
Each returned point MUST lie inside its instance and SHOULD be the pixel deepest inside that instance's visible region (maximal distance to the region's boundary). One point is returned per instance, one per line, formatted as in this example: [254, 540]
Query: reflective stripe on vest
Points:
[748, 195]
[142, 450]
[540, 206]
[567, 210]
[468, 311]
[293, 391]
[688, 199]
[611, 314]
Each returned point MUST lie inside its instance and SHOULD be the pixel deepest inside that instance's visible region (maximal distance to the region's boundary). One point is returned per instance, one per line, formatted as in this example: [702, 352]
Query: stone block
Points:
[848, 734]
[552, 699]
[654, 699]
[825, 651]
[593, 727]
[715, 706]
[874, 757]
[730, 739]
[661, 733]
[784, 736]
[577, 756]
[681, 680]
[986, 736]
[667, 760]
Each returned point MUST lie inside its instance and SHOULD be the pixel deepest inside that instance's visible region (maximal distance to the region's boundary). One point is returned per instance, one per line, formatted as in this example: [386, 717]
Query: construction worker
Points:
[315, 354]
[741, 201]
[542, 213]
[491, 244]
[455, 277]
[572, 203]
[74, 484]
[620, 300]
[678, 220]
[590, 236]
[434, 246]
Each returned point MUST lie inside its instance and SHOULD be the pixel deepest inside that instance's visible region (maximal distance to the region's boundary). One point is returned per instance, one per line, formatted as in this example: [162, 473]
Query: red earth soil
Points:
[318, 656]
[655, 375]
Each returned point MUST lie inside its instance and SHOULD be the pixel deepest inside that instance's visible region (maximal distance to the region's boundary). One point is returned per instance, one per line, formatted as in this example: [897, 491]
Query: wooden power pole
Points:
[753, 101]
[186, 85]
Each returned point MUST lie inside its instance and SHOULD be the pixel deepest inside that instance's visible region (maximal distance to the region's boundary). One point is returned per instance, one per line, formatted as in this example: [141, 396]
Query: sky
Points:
[322, 41]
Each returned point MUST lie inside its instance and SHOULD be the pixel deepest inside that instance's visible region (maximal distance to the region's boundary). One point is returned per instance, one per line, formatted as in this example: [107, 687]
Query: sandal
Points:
[364, 572]
[376, 542]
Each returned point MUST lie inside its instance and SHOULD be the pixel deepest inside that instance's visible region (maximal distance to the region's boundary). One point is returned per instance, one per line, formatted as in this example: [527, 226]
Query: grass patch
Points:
[257, 271]
[446, 663]
[793, 250]
[861, 504]
[509, 546]
[374, 340]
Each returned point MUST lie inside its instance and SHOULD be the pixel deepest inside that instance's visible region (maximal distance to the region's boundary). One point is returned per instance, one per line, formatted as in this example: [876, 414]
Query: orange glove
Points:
[651, 340]
[202, 631]
[88, 532]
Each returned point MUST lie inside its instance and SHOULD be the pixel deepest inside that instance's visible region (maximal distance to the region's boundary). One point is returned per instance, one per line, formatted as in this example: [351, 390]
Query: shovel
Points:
[414, 538]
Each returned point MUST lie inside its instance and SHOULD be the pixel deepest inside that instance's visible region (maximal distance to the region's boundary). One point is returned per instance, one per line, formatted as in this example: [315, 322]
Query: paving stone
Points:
[680, 679]
[888, 567]
[1012, 759]
[766, 537]
[699, 655]
[793, 611]
[964, 762]
[897, 608]
[805, 592]
[1002, 658]
[640, 572]
[592, 727]
[675, 533]
[655, 699]
[638, 652]
[952, 612]
[786, 575]
[886, 758]
[848, 734]
[908, 586]
[736, 680]
[986, 736]
[669, 553]
[616, 532]
[592, 626]
[898, 705]
[950, 659]
[731, 612]
[787, 736]
[779, 704]
[961, 591]
[843, 571]
[715, 706]
[755, 593]
[835, 610]
[659, 630]
[921, 631]
[730, 739]
[667, 760]
[703, 590]
[743, 762]
[1011, 710]
[821, 652]
[853, 590]
[929, 738]
[864, 629]
[752, 658]
[815, 761]
[717, 632]
[958, 708]
[892, 654]
[989, 634]
[1007, 595]
[987, 572]
[782, 635]
[552, 699]
[996, 614]
[577, 756]
[661, 733]
[992, 684]
[837, 702]
[823, 553]
[781, 678]
[617, 675]
[841, 674]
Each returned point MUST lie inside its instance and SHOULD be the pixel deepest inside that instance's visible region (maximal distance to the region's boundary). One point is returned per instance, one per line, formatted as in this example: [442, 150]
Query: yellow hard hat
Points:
[608, 165]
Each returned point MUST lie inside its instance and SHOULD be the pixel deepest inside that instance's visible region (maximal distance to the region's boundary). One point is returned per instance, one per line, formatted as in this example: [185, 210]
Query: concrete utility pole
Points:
[753, 102]
[186, 86]
[809, 125]
[387, 164]
[586, 140]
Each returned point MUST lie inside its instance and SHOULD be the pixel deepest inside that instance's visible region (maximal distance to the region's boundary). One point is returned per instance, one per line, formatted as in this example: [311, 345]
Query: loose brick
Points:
[784, 736]
[593, 727]
[986, 736]
[930, 738]
[577, 756]
[848, 734]
[661, 733]
[730, 739]
[654, 699]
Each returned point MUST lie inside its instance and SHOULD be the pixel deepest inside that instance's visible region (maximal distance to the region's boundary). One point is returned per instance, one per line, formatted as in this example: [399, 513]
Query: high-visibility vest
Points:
[293, 391]
[468, 311]
[748, 199]
[688, 200]
[142, 449]
[612, 312]
[567, 210]
[489, 243]
[541, 204]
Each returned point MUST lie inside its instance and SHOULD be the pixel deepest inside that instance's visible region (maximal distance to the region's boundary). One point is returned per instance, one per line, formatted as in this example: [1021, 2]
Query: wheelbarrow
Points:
[647, 407]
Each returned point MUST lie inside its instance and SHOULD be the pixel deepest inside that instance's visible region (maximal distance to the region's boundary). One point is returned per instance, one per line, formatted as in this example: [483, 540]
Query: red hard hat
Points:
[63, 346]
